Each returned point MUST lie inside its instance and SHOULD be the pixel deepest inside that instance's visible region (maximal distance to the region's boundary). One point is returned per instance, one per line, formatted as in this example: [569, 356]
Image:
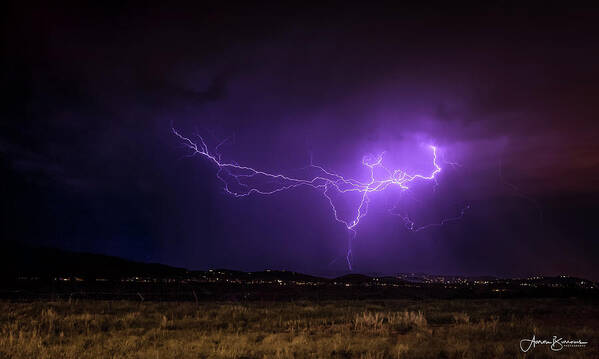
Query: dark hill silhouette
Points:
[353, 279]
[285, 276]
[19, 260]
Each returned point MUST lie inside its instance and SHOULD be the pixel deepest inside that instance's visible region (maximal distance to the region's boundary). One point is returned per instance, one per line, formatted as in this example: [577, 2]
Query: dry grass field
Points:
[336, 329]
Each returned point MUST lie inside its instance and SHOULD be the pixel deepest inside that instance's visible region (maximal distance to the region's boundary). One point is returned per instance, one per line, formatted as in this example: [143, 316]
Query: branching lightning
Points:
[411, 225]
[239, 181]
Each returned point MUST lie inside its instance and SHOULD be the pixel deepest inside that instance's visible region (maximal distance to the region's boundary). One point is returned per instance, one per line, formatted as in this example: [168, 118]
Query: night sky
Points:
[510, 96]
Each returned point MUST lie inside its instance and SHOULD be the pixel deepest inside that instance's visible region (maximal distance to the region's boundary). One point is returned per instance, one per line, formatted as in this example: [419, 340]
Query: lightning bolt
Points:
[411, 225]
[241, 181]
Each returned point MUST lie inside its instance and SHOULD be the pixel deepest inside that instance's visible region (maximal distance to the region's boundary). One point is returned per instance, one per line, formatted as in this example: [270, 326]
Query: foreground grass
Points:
[340, 329]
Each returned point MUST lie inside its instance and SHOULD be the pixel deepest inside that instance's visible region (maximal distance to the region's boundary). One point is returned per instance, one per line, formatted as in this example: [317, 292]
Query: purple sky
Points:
[89, 163]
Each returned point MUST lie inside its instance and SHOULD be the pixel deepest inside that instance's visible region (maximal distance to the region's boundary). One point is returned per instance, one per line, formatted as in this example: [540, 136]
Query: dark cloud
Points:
[508, 93]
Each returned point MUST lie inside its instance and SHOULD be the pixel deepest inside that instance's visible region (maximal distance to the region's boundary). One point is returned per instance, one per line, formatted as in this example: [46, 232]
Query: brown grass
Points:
[342, 329]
